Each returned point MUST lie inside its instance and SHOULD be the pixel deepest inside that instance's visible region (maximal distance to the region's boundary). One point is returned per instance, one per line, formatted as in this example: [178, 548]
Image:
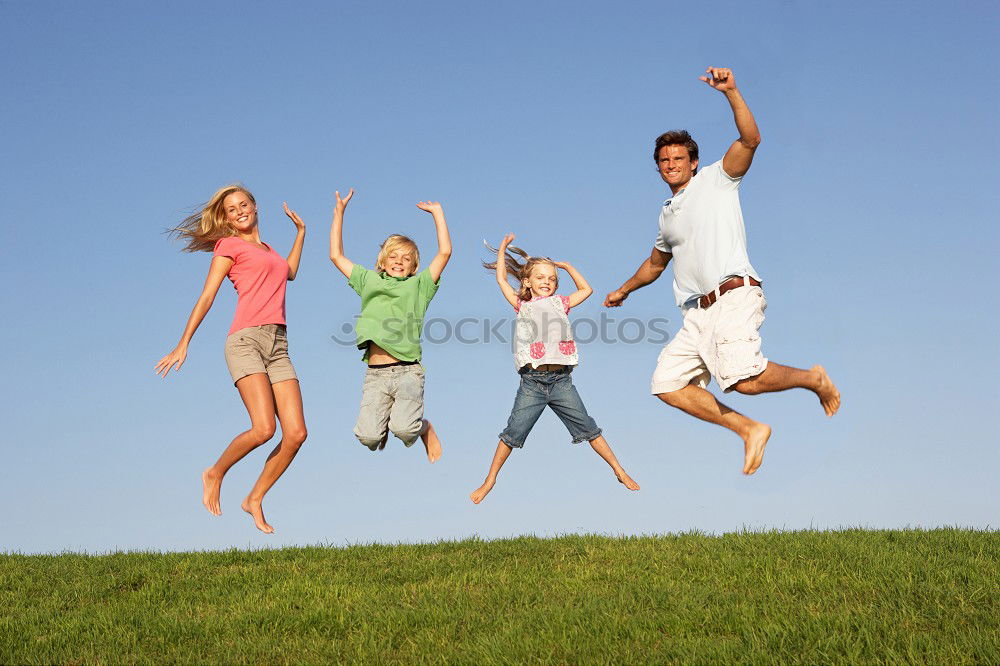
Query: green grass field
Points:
[854, 596]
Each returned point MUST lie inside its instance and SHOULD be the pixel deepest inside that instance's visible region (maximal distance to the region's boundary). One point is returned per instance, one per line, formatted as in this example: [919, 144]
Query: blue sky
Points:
[870, 210]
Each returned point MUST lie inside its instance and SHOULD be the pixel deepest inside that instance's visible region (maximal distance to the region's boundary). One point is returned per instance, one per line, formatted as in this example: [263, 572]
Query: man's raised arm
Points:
[740, 154]
[646, 273]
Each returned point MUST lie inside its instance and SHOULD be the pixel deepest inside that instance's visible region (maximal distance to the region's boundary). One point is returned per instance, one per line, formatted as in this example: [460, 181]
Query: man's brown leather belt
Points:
[732, 283]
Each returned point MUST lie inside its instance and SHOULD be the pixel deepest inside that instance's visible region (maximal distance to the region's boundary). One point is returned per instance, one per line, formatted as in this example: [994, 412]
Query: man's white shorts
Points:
[721, 341]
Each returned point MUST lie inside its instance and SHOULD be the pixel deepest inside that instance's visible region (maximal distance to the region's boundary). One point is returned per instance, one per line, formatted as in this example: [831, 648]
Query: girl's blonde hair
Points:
[201, 230]
[520, 270]
[395, 242]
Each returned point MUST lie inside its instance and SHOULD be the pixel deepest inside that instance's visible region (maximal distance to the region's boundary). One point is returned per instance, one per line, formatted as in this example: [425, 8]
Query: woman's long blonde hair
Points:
[201, 230]
[520, 270]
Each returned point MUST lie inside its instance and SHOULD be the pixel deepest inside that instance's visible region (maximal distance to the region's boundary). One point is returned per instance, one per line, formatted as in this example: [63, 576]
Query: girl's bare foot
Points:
[828, 394]
[431, 443]
[256, 511]
[626, 480]
[753, 447]
[482, 491]
[211, 486]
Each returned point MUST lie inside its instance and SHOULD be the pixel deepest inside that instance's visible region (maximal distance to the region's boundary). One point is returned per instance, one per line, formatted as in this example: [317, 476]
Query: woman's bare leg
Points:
[600, 446]
[288, 403]
[255, 390]
[499, 458]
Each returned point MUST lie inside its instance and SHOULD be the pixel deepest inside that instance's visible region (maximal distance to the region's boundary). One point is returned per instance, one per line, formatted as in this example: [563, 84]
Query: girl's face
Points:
[241, 212]
[400, 262]
[542, 280]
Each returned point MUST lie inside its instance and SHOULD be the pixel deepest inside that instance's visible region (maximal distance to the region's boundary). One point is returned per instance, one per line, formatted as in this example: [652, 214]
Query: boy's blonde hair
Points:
[201, 230]
[518, 270]
[394, 242]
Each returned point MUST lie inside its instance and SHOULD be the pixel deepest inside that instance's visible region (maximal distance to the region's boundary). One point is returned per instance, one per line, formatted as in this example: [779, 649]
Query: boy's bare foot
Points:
[211, 486]
[828, 394]
[256, 511]
[381, 445]
[482, 491]
[431, 443]
[753, 447]
[626, 480]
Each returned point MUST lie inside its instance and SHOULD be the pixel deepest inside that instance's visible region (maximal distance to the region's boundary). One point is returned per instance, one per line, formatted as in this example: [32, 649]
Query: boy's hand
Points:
[433, 207]
[720, 78]
[342, 202]
[294, 217]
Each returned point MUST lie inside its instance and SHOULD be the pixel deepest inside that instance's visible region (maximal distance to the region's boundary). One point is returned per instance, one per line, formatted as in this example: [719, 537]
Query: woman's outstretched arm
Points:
[343, 264]
[296, 254]
[216, 274]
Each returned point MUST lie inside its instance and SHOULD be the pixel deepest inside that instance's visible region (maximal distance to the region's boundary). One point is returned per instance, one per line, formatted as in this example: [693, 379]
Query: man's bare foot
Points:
[626, 480]
[753, 447]
[482, 491]
[211, 486]
[256, 511]
[828, 394]
[431, 443]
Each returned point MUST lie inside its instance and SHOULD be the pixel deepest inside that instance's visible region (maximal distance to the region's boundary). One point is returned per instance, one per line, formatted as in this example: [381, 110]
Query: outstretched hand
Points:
[433, 207]
[294, 217]
[342, 201]
[506, 241]
[720, 78]
[615, 298]
[176, 357]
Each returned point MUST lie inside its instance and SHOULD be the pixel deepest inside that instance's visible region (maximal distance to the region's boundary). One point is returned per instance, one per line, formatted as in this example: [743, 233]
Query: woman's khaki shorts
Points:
[259, 349]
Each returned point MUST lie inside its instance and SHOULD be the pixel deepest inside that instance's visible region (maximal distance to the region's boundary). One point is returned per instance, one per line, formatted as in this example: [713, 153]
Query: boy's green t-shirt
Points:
[392, 310]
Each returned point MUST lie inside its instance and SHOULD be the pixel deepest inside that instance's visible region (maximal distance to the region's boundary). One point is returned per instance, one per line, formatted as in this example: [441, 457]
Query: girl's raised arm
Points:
[343, 264]
[508, 291]
[216, 274]
[583, 290]
[296, 254]
[440, 260]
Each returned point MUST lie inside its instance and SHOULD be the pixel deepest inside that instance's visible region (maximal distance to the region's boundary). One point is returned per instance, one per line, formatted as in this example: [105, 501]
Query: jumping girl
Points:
[545, 354]
[394, 298]
[257, 346]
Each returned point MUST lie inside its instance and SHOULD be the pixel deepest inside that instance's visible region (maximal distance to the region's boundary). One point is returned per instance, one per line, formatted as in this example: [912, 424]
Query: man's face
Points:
[675, 166]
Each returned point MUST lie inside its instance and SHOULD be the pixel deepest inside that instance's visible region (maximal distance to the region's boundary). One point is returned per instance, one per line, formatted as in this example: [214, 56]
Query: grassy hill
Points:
[852, 596]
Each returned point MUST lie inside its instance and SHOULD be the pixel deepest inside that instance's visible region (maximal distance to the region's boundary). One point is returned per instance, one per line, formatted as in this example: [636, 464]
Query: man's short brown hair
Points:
[676, 138]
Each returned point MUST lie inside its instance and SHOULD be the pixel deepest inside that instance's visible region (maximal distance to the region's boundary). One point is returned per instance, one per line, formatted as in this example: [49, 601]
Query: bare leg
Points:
[600, 445]
[288, 402]
[777, 377]
[255, 390]
[431, 442]
[698, 402]
[499, 458]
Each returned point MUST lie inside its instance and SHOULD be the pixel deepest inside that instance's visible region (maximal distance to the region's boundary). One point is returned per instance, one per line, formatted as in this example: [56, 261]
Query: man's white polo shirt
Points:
[702, 227]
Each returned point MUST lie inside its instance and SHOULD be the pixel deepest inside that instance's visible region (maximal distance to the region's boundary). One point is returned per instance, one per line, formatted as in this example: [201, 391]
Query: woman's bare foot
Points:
[828, 394]
[211, 486]
[482, 491]
[431, 443]
[753, 447]
[626, 480]
[254, 508]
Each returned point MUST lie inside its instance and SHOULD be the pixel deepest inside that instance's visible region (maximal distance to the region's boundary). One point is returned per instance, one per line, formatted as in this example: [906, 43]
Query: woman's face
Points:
[241, 212]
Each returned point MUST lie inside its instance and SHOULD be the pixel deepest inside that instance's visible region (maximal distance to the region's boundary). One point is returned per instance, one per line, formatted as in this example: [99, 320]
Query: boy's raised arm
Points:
[343, 264]
[440, 260]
